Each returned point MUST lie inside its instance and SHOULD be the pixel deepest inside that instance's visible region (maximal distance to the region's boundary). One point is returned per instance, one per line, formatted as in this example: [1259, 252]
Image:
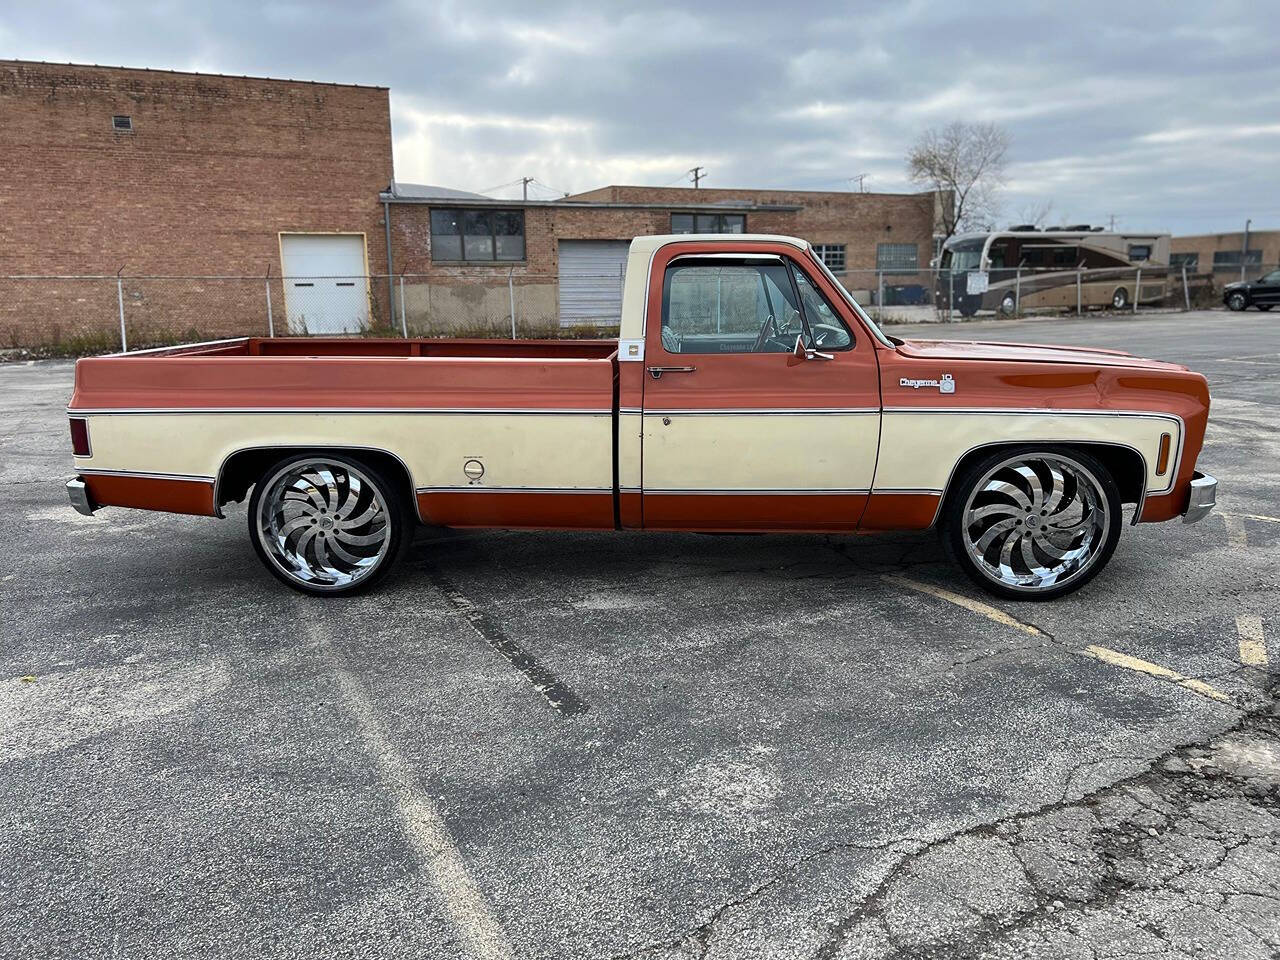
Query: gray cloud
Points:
[1169, 119]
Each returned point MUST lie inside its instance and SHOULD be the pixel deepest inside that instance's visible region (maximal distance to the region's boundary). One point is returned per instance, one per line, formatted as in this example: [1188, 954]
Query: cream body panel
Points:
[517, 450]
[630, 437]
[753, 451]
[919, 450]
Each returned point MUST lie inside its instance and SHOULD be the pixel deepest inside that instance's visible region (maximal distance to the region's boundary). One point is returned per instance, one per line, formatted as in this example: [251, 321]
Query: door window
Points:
[827, 329]
[717, 306]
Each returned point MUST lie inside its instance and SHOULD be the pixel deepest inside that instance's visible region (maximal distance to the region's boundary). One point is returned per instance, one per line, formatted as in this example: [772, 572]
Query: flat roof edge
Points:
[187, 73]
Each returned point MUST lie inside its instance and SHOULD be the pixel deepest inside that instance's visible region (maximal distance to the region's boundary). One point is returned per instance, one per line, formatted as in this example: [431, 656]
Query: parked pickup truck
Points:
[747, 392]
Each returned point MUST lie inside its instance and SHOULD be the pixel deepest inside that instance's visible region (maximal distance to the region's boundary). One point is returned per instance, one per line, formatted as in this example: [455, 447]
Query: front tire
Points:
[1033, 523]
[1008, 305]
[1237, 302]
[328, 524]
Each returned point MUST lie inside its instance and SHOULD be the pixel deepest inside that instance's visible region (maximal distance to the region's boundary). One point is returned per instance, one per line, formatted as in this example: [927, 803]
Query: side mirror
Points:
[801, 353]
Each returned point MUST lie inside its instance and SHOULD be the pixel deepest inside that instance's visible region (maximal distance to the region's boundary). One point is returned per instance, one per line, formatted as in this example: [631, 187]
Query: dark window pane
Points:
[682, 223]
[707, 223]
[508, 227]
[735, 223]
[477, 235]
[446, 244]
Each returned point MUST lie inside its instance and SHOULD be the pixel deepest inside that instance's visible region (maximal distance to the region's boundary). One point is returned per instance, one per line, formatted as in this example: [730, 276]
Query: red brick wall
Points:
[214, 169]
[858, 220]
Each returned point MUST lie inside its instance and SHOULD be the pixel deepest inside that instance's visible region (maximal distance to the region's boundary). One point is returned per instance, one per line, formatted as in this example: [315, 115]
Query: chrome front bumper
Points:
[79, 496]
[1204, 497]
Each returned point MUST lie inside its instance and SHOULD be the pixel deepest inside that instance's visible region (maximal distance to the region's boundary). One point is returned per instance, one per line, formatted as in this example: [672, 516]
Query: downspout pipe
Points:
[386, 222]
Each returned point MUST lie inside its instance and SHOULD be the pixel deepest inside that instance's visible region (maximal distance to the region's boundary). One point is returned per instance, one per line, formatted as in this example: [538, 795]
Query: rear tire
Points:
[1264, 307]
[1120, 299]
[1009, 305]
[1034, 522]
[328, 524]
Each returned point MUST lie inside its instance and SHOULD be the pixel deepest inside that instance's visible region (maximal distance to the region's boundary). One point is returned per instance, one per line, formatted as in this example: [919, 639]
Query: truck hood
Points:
[942, 350]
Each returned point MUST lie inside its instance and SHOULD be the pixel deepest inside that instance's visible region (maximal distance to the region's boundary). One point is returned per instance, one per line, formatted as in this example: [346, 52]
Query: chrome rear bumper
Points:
[1204, 497]
[79, 496]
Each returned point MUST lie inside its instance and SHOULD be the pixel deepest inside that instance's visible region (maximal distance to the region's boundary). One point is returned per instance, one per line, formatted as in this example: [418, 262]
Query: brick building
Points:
[471, 254]
[1221, 253]
[156, 172]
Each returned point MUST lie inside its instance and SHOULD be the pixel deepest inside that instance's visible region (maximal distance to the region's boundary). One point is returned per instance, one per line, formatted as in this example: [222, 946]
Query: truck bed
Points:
[319, 374]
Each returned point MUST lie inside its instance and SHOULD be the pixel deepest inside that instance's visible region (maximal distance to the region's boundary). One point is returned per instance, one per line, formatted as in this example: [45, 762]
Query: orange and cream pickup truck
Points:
[747, 392]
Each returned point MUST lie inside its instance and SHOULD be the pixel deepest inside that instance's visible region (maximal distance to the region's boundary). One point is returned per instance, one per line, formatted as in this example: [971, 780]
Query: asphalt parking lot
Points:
[579, 745]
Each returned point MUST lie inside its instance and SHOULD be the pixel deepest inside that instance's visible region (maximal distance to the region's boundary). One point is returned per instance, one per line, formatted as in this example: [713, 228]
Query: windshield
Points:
[966, 255]
[814, 258]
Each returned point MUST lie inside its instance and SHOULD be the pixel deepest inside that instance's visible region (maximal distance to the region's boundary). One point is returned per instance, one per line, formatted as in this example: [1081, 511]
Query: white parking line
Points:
[1253, 645]
[1253, 516]
[424, 828]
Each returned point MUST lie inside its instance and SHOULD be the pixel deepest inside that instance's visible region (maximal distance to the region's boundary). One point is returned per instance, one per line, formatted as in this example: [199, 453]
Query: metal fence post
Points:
[1017, 292]
[1077, 291]
[1137, 290]
[1186, 292]
[404, 320]
[880, 294]
[511, 295]
[124, 337]
[271, 322]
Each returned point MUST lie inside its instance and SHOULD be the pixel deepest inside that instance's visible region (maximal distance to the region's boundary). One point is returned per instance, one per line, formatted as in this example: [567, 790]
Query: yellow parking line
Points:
[1237, 536]
[990, 612]
[1252, 516]
[1118, 659]
[1253, 645]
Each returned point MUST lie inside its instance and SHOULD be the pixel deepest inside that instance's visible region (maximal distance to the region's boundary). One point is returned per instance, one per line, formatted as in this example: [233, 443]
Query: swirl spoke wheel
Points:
[1035, 524]
[326, 524]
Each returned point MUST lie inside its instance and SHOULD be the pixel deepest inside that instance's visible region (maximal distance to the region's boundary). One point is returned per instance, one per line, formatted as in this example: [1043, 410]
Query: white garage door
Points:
[591, 280]
[325, 287]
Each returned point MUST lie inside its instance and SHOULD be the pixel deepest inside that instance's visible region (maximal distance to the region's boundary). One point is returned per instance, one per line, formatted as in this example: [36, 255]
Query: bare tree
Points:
[1036, 213]
[965, 161]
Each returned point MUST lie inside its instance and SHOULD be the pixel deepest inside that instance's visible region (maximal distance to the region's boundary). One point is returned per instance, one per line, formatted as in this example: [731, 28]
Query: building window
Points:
[1230, 259]
[1139, 252]
[1189, 260]
[708, 223]
[122, 124]
[897, 258]
[832, 254]
[479, 235]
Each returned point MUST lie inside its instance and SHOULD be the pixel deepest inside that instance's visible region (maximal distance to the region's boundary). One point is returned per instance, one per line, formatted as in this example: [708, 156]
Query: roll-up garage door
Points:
[591, 280]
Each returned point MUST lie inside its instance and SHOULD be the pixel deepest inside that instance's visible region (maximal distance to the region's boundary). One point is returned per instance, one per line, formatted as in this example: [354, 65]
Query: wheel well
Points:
[1125, 464]
[244, 468]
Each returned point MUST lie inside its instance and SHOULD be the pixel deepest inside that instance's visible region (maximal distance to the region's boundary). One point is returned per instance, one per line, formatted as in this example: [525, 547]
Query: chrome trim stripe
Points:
[931, 491]
[144, 475]
[759, 491]
[484, 489]
[530, 411]
[1070, 412]
[766, 411]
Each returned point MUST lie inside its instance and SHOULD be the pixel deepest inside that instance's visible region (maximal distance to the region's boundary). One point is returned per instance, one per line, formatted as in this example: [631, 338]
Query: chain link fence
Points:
[75, 316]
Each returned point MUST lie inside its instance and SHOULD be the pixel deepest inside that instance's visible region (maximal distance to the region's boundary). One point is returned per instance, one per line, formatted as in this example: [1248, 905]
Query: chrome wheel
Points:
[323, 523]
[1120, 299]
[1237, 301]
[1036, 521]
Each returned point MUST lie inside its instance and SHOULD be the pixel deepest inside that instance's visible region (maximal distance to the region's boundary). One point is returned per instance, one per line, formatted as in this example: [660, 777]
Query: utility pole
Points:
[524, 187]
[696, 175]
[860, 177]
[1112, 218]
[1244, 249]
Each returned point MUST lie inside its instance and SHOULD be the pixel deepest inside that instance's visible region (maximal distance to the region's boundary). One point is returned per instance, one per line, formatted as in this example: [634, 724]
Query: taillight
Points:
[1162, 458]
[80, 436]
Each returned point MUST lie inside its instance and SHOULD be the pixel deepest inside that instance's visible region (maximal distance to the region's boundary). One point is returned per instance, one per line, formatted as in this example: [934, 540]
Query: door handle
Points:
[657, 372]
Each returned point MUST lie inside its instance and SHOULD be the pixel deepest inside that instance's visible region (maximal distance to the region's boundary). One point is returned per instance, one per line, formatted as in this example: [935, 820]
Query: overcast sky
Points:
[1165, 116]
